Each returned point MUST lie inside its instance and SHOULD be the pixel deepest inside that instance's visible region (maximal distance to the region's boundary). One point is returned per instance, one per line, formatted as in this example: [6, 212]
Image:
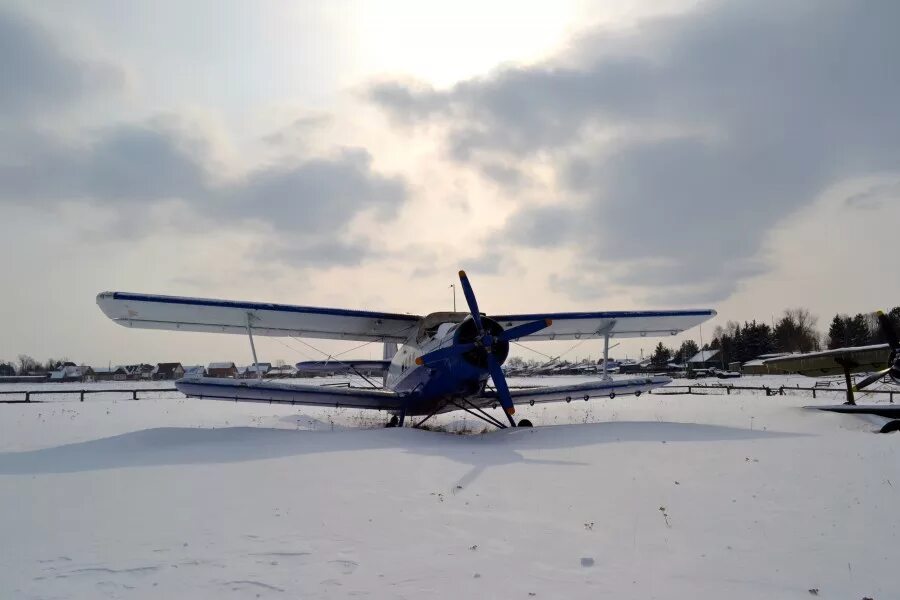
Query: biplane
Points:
[880, 361]
[443, 362]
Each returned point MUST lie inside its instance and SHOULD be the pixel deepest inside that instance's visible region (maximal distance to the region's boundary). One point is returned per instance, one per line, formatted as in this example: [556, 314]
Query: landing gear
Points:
[524, 423]
[394, 422]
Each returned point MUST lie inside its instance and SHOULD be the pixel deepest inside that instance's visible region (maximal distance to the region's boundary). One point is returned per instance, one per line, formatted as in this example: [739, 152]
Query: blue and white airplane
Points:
[444, 363]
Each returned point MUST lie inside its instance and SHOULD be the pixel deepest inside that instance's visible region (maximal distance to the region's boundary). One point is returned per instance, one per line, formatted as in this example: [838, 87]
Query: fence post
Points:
[82, 395]
[27, 396]
[814, 392]
[134, 394]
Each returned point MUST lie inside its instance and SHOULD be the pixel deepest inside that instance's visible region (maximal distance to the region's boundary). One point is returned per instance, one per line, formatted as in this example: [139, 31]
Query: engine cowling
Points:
[467, 332]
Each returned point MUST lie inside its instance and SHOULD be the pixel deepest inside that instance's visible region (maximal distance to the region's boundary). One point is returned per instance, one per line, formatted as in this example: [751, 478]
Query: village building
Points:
[221, 369]
[194, 371]
[172, 370]
[255, 370]
[71, 373]
[110, 374]
[705, 359]
[282, 372]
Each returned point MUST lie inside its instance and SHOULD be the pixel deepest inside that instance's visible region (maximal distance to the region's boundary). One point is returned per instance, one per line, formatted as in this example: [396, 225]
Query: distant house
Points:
[138, 372]
[70, 373]
[254, 370]
[168, 371]
[194, 371]
[705, 359]
[110, 374]
[757, 366]
[630, 367]
[221, 369]
[282, 372]
[7, 370]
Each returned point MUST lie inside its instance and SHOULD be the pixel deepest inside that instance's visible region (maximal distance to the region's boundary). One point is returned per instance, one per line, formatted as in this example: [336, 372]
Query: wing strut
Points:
[606, 376]
[253, 347]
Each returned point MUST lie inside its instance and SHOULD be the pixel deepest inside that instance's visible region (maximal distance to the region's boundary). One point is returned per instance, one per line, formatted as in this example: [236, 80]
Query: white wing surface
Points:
[177, 313]
[273, 392]
[619, 324]
[580, 391]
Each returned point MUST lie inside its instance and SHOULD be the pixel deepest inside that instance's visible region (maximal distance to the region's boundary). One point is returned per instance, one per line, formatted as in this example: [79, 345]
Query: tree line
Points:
[26, 364]
[795, 331]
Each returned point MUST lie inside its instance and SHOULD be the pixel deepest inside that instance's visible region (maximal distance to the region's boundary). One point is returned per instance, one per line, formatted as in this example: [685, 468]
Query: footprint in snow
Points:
[249, 584]
[346, 567]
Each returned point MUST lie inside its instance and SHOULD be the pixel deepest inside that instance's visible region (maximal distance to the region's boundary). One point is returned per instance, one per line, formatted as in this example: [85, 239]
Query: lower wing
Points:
[580, 391]
[342, 366]
[284, 393]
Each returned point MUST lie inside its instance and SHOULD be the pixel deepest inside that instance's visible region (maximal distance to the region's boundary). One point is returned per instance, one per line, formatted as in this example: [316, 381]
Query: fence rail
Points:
[698, 390]
[81, 393]
[669, 390]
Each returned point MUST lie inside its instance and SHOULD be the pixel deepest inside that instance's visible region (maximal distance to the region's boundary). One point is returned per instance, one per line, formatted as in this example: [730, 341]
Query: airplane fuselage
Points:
[428, 387]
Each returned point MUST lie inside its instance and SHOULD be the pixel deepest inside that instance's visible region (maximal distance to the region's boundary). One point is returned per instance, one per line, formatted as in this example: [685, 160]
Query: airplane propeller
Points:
[485, 339]
[893, 368]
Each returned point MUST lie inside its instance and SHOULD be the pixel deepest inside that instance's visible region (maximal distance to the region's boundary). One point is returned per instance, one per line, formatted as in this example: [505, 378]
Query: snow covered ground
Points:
[737, 496]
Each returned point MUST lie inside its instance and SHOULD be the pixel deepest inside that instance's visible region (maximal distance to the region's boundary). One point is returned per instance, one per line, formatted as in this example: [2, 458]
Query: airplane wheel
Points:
[612, 395]
[524, 423]
[637, 394]
[891, 426]
[393, 422]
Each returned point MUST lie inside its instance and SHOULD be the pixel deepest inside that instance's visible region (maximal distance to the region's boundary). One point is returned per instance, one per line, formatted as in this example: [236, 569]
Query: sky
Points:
[742, 156]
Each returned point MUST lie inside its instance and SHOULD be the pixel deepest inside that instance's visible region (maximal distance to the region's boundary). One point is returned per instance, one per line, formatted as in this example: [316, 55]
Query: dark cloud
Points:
[681, 144]
[132, 167]
[875, 197]
[37, 72]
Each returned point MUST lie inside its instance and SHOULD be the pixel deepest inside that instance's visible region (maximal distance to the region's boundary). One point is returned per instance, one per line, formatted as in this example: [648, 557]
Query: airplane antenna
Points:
[453, 287]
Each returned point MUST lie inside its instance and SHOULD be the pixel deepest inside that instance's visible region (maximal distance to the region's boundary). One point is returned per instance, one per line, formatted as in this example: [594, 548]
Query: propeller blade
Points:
[502, 389]
[887, 328]
[470, 299]
[515, 333]
[443, 353]
[871, 379]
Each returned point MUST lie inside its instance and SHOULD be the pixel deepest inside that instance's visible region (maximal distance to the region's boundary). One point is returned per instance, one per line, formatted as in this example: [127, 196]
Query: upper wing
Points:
[226, 316]
[831, 362]
[285, 393]
[580, 391]
[580, 325]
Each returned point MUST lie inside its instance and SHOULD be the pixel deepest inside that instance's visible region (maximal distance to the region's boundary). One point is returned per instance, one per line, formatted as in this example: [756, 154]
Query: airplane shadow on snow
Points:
[190, 446]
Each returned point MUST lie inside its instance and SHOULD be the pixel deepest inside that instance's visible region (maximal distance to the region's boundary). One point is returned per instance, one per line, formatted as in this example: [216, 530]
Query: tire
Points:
[891, 426]
[524, 423]
[393, 422]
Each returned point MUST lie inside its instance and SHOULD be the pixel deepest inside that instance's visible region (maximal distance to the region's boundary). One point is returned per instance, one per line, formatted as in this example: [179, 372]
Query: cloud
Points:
[683, 142]
[875, 197]
[162, 171]
[39, 73]
[133, 167]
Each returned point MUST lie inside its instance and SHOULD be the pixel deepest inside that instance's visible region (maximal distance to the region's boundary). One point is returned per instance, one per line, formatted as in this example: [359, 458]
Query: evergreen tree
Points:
[661, 355]
[796, 331]
[687, 351]
[858, 330]
[837, 332]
